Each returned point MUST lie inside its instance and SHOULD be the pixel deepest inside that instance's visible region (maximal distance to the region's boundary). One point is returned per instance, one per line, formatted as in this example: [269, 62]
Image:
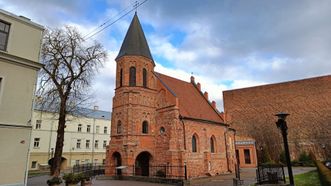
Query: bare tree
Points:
[69, 64]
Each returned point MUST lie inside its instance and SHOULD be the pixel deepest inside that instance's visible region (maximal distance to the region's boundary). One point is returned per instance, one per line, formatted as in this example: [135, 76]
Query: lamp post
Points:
[281, 124]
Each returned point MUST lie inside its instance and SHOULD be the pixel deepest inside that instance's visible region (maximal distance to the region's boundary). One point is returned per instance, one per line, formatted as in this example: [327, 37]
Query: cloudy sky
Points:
[225, 44]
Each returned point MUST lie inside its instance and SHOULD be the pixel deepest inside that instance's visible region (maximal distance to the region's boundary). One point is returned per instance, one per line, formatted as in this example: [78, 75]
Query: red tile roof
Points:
[192, 103]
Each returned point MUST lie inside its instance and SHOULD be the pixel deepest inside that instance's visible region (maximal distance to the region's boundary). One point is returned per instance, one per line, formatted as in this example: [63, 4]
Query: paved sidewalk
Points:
[248, 175]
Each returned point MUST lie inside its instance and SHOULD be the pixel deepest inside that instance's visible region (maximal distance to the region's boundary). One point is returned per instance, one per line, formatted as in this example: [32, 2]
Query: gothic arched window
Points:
[132, 78]
[144, 78]
[145, 127]
[212, 144]
[121, 77]
[194, 144]
[119, 127]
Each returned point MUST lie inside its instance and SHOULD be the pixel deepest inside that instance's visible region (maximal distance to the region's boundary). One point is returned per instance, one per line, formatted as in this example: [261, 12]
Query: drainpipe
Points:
[226, 149]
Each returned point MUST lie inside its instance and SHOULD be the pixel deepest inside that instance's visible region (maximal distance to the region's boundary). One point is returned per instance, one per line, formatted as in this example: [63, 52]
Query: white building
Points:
[20, 43]
[87, 134]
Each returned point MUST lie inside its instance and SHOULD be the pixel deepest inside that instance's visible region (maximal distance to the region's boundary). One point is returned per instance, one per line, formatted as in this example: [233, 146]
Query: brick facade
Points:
[174, 112]
[251, 112]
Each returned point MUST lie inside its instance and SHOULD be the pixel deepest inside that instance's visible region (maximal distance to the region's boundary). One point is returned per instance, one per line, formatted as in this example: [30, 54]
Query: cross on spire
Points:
[136, 4]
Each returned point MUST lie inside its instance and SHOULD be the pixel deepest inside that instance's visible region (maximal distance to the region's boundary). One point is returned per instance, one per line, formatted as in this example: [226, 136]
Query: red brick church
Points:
[158, 120]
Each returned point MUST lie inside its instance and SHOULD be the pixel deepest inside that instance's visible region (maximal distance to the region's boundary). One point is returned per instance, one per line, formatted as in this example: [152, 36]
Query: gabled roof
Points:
[192, 103]
[135, 42]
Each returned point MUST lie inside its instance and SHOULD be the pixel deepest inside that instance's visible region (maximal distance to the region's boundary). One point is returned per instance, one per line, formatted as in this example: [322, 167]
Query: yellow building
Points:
[87, 134]
[20, 43]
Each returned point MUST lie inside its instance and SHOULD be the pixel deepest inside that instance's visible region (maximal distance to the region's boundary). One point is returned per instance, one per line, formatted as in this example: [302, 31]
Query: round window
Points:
[162, 130]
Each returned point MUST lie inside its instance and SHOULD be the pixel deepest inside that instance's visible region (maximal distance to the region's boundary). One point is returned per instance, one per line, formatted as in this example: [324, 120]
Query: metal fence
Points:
[153, 171]
[88, 169]
[270, 174]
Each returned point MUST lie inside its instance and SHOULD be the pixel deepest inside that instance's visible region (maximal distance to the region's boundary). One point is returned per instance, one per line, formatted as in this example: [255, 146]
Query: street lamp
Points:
[281, 124]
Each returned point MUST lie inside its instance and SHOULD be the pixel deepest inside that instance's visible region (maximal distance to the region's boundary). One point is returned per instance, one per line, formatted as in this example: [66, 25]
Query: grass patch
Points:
[306, 179]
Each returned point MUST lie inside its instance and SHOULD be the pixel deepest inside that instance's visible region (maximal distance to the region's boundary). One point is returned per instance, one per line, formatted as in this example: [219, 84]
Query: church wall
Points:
[204, 162]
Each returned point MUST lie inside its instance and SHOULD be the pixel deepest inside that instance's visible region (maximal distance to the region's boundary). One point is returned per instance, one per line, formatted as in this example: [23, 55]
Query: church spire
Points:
[135, 42]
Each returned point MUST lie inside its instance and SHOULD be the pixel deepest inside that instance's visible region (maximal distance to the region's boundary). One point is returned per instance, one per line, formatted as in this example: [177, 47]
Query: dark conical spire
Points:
[135, 42]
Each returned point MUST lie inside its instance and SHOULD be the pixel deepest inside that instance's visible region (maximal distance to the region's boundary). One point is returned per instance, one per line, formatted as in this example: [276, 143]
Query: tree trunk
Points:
[56, 165]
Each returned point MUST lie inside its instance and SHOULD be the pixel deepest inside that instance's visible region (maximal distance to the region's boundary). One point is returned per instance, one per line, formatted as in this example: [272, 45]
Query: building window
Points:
[212, 144]
[162, 130]
[132, 78]
[36, 142]
[38, 124]
[103, 161]
[96, 144]
[145, 127]
[4, 33]
[88, 129]
[78, 143]
[247, 156]
[34, 164]
[87, 144]
[77, 162]
[105, 130]
[104, 144]
[121, 77]
[79, 127]
[119, 127]
[97, 129]
[194, 144]
[144, 78]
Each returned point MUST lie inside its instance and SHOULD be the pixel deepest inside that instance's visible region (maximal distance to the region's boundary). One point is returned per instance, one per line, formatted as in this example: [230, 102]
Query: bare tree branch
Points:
[66, 76]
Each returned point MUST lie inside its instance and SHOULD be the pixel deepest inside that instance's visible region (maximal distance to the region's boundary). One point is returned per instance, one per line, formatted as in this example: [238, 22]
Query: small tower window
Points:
[194, 143]
[132, 81]
[144, 78]
[119, 127]
[121, 77]
[145, 127]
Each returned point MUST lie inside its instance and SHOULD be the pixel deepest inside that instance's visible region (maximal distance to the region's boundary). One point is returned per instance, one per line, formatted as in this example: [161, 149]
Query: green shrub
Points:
[72, 178]
[54, 181]
[324, 173]
[306, 159]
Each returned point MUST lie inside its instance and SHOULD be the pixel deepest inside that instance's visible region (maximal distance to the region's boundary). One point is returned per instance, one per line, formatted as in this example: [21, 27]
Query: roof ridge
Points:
[173, 78]
[196, 88]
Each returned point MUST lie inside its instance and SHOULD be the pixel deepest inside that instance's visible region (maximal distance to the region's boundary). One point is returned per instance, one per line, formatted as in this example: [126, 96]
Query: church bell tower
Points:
[133, 113]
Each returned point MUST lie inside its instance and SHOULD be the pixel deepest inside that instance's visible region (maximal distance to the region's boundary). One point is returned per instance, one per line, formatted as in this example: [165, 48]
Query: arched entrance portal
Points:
[117, 162]
[142, 163]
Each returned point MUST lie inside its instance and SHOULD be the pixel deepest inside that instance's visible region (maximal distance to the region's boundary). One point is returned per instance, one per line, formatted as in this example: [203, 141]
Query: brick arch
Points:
[212, 143]
[195, 143]
[142, 163]
[116, 160]
[119, 127]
